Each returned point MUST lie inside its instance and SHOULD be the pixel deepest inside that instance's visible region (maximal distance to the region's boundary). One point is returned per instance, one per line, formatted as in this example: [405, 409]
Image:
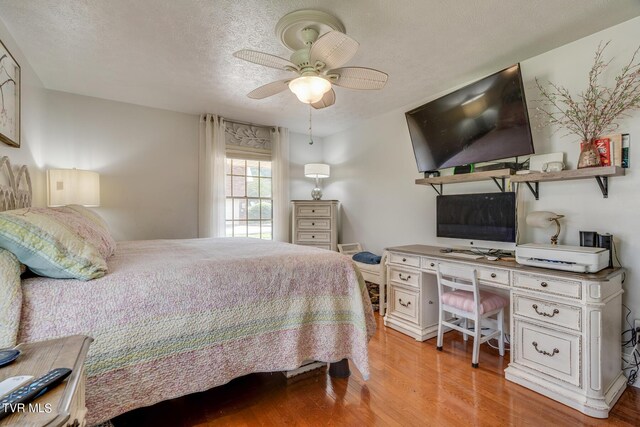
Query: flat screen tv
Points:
[484, 121]
[487, 216]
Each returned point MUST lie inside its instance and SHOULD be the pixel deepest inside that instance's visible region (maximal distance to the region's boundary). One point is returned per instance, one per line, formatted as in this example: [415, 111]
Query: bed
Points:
[173, 317]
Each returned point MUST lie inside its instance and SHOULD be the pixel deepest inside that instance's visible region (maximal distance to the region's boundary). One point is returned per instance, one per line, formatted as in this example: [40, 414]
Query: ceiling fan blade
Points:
[358, 78]
[327, 100]
[265, 59]
[333, 49]
[269, 89]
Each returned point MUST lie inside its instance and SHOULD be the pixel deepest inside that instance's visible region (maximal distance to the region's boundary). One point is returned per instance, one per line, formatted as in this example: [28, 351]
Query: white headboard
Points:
[13, 194]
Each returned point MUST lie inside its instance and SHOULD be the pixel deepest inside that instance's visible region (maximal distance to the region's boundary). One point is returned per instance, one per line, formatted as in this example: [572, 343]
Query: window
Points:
[249, 200]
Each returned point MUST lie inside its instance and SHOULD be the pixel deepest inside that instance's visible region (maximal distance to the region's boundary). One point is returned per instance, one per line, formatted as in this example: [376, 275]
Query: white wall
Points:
[147, 159]
[301, 153]
[32, 123]
[374, 170]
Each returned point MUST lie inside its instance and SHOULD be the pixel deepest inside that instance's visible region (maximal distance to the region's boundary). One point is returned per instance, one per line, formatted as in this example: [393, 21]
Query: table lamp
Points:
[317, 171]
[73, 187]
[544, 219]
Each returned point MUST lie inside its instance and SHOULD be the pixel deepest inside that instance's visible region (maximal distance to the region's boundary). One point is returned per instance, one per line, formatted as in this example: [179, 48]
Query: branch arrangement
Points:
[596, 110]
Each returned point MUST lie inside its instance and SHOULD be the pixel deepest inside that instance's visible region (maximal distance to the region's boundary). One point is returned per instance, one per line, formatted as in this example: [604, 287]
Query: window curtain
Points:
[280, 184]
[211, 175]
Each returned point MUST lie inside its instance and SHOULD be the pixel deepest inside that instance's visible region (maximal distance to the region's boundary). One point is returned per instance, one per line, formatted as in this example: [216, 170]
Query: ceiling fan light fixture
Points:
[309, 89]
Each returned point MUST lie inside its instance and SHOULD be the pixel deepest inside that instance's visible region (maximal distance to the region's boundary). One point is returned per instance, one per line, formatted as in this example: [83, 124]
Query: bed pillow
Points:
[91, 215]
[11, 300]
[43, 240]
[90, 226]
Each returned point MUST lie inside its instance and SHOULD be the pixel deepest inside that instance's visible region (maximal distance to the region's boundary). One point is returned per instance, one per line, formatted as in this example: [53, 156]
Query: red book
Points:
[603, 145]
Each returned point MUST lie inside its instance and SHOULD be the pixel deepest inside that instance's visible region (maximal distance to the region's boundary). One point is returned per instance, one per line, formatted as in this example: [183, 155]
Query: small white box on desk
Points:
[561, 257]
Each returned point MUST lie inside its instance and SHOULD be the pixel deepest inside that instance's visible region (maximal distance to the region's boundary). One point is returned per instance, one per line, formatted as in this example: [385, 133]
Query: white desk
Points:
[565, 327]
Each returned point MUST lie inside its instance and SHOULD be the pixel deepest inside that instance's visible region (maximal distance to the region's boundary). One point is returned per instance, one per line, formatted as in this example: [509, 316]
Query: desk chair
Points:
[467, 302]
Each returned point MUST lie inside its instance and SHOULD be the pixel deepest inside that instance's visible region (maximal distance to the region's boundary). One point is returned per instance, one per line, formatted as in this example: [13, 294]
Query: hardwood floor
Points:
[411, 384]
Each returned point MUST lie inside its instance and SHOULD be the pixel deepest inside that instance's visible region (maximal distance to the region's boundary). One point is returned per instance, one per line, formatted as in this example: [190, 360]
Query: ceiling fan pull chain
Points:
[310, 134]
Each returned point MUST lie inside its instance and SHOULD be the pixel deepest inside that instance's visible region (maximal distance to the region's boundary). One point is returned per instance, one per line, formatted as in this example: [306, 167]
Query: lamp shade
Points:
[309, 89]
[73, 187]
[542, 219]
[316, 170]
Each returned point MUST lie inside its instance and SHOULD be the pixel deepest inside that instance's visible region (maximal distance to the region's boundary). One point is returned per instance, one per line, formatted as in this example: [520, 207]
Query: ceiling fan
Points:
[320, 49]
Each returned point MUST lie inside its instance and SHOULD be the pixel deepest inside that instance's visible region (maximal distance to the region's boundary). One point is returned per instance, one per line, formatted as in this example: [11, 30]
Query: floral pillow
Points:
[10, 298]
[52, 243]
[89, 225]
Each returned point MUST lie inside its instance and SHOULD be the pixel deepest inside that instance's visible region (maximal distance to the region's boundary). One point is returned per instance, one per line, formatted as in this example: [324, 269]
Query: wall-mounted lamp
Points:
[73, 187]
[544, 219]
[317, 171]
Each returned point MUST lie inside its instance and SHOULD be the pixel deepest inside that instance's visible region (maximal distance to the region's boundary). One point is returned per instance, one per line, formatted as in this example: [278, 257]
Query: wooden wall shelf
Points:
[601, 175]
[498, 176]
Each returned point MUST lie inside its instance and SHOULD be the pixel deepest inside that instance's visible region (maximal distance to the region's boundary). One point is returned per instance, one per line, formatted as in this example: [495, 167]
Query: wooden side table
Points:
[64, 405]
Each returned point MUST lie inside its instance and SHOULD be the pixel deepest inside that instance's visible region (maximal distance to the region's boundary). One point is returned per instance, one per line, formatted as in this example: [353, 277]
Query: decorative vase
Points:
[589, 155]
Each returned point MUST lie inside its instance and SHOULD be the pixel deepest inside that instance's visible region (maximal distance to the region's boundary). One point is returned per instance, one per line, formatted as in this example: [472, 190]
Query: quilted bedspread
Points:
[175, 317]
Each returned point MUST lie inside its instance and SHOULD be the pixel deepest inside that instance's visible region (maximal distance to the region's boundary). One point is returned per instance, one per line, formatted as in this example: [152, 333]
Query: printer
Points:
[562, 257]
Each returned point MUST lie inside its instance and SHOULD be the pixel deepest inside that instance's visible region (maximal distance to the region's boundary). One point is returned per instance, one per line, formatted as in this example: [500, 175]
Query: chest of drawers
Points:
[315, 223]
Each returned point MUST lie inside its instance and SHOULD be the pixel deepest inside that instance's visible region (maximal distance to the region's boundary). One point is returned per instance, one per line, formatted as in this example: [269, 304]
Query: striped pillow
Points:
[46, 242]
[11, 300]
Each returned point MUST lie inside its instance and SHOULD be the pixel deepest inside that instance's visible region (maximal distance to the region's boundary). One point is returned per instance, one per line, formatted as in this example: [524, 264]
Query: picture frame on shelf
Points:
[9, 98]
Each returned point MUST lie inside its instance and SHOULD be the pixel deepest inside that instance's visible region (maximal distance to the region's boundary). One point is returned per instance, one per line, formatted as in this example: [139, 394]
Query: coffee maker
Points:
[595, 240]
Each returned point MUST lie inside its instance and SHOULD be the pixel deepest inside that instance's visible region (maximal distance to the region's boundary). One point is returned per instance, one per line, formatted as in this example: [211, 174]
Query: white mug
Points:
[552, 167]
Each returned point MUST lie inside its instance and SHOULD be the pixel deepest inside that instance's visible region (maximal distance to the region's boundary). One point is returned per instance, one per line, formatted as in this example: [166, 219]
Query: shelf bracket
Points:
[603, 183]
[501, 187]
[535, 191]
[437, 191]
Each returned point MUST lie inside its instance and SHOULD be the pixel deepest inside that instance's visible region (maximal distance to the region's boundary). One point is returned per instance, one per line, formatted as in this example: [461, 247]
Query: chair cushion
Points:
[463, 300]
[367, 258]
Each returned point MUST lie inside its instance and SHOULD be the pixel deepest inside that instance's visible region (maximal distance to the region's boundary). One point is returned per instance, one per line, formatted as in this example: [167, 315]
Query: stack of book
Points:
[614, 149]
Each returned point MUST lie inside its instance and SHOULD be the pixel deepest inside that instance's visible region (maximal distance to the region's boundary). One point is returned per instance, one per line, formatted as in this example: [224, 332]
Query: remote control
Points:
[27, 393]
[10, 384]
[8, 356]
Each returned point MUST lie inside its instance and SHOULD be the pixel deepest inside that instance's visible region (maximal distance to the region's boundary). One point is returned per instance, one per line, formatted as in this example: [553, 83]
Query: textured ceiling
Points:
[176, 54]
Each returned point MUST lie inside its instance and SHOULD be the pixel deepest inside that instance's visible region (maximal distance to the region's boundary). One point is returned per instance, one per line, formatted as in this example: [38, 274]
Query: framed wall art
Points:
[9, 98]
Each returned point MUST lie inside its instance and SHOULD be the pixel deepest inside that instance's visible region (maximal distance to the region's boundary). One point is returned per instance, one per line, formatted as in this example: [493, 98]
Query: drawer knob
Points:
[430, 302]
[553, 353]
[404, 278]
[542, 313]
[433, 264]
[313, 210]
[404, 260]
[313, 223]
[544, 284]
[407, 304]
[494, 275]
[313, 237]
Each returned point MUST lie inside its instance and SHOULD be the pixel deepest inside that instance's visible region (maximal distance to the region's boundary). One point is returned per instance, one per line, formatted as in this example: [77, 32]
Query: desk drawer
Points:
[404, 303]
[549, 312]
[313, 236]
[404, 277]
[552, 353]
[429, 264]
[403, 259]
[311, 211]
[493, 275]
[314, 224]
[546, 284]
